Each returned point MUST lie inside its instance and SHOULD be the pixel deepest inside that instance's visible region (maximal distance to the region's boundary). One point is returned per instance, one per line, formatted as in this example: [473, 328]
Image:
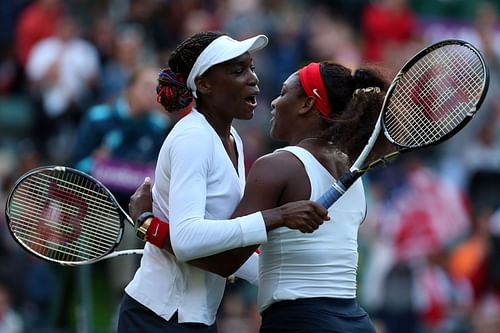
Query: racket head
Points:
[63, 215]
[435, 95]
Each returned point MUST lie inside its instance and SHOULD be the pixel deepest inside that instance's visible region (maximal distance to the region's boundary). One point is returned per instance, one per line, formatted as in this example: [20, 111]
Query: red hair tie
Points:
[167, 91]
[312, 83]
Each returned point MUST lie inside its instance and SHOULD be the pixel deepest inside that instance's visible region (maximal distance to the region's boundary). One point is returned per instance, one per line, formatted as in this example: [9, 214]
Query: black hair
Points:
[353, 112]
[173, 93]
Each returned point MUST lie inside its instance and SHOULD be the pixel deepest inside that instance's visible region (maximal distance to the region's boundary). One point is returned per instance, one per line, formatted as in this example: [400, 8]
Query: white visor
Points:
[222, 49]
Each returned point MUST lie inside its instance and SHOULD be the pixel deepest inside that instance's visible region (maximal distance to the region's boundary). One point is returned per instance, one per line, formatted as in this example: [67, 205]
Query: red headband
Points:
[312, 83]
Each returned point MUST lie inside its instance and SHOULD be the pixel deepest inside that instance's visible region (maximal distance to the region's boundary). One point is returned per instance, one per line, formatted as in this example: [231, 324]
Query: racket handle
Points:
[337, 190]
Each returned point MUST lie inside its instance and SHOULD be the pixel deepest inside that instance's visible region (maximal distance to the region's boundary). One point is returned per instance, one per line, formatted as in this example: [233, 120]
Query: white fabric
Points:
[222, 49]
[196, 188]
[321, 264]
[249, 271]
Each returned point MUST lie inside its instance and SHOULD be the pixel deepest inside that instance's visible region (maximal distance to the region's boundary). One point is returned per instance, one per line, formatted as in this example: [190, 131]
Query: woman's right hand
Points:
[304, 215]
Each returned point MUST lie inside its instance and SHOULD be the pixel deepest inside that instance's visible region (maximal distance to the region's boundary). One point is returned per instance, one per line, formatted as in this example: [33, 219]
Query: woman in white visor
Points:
[199, 181]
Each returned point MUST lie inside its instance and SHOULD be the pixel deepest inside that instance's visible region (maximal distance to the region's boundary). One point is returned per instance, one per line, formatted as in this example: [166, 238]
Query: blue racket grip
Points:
[336, 190]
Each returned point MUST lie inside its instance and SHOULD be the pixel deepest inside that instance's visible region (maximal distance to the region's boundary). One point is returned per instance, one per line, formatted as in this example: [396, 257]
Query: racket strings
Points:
[437, 93]
[36, 217]
[69, 208]
[44, 246]
[30, 230]
[446, 122]
[438, 101]
[29, 237]
[53, 237]
[97, 211]
[33, 221]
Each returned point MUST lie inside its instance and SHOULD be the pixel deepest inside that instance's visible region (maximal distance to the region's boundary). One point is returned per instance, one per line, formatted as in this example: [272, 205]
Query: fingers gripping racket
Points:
[65, 216]
[433, 97]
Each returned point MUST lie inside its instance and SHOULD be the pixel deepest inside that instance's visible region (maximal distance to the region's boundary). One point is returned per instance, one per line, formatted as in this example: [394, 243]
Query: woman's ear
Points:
[203, 85]
[307, 105]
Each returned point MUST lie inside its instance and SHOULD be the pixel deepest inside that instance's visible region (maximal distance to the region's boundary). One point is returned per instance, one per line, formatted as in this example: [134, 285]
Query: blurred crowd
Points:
[77, 82]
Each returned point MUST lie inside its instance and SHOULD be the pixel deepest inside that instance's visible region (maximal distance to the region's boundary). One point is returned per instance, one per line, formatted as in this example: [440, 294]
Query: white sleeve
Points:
[193, 236]
[249, 270]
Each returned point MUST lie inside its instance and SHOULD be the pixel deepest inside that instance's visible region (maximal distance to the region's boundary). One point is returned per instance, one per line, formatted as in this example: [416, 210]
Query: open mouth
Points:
[251, 100]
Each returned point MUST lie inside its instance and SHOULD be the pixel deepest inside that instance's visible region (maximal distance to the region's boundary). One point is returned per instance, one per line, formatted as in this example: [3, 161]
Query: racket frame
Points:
[356, 170]
[406, 68]
[123, 217]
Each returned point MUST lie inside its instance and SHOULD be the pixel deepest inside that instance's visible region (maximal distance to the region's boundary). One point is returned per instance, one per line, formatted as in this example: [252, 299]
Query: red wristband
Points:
[157, 232]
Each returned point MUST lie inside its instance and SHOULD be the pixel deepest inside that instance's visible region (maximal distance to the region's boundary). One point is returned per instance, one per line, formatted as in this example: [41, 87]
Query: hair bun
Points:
[172, 92]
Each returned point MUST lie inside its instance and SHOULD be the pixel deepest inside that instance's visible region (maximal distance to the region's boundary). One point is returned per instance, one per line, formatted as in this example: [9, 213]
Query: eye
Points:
[238, 70]
[252, 68]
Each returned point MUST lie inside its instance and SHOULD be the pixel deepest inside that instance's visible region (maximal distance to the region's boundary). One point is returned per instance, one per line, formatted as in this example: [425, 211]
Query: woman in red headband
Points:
[307, 282]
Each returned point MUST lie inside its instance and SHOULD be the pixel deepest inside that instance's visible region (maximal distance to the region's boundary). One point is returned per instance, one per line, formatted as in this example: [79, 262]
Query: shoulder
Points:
[278, 165]
[279, 157]
[191, 126]
[191, 134]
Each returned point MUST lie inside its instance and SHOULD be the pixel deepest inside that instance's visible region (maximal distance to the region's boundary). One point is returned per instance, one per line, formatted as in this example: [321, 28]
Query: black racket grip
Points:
[337, 190]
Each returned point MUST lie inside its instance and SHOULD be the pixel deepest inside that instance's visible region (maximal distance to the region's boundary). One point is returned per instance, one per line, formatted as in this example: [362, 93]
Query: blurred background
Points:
[77, 82]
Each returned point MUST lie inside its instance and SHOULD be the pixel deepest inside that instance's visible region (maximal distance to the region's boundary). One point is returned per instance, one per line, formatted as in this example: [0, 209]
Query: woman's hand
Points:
[141, 201]
[304, 215]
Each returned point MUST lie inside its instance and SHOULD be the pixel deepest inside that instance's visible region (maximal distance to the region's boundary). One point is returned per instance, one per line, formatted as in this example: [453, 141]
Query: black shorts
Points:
[316, 315]
[135, 317]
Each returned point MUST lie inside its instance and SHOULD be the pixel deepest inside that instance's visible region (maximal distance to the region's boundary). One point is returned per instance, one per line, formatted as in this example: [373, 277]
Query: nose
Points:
[254, 79]
[273, 103]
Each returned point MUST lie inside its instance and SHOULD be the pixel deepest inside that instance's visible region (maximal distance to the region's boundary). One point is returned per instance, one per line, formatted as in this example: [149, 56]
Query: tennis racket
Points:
[65, 216]
[432, 97]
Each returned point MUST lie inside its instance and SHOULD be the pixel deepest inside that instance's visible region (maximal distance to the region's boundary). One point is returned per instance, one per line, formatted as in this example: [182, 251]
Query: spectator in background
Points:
[127, 56]
[387, 28]
[420, 217]
[485, 22]
[486, 282]
[62, 70]
[332, 38]
[123, 136]
[38, 21]
[10, 320]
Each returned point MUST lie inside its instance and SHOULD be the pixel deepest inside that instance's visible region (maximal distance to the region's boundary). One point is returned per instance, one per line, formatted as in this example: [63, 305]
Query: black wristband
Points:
[141, 229]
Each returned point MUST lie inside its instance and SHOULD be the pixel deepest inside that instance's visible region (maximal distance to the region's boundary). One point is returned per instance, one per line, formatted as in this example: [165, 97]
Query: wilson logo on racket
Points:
[436, 93]
[67, 207]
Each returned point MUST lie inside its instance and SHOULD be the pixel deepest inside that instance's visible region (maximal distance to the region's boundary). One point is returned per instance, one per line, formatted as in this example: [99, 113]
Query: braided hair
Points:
[173, 93]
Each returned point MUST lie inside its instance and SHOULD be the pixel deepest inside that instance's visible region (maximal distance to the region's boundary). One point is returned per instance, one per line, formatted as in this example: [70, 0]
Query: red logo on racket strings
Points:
[64, 210]
[436, 93]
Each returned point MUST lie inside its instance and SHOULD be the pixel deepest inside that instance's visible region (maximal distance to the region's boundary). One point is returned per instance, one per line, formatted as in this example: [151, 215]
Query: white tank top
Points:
[321, 264]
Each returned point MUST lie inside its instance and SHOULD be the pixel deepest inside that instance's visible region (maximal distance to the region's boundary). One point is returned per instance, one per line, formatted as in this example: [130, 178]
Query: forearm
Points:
[225, 263]
[197, 238]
